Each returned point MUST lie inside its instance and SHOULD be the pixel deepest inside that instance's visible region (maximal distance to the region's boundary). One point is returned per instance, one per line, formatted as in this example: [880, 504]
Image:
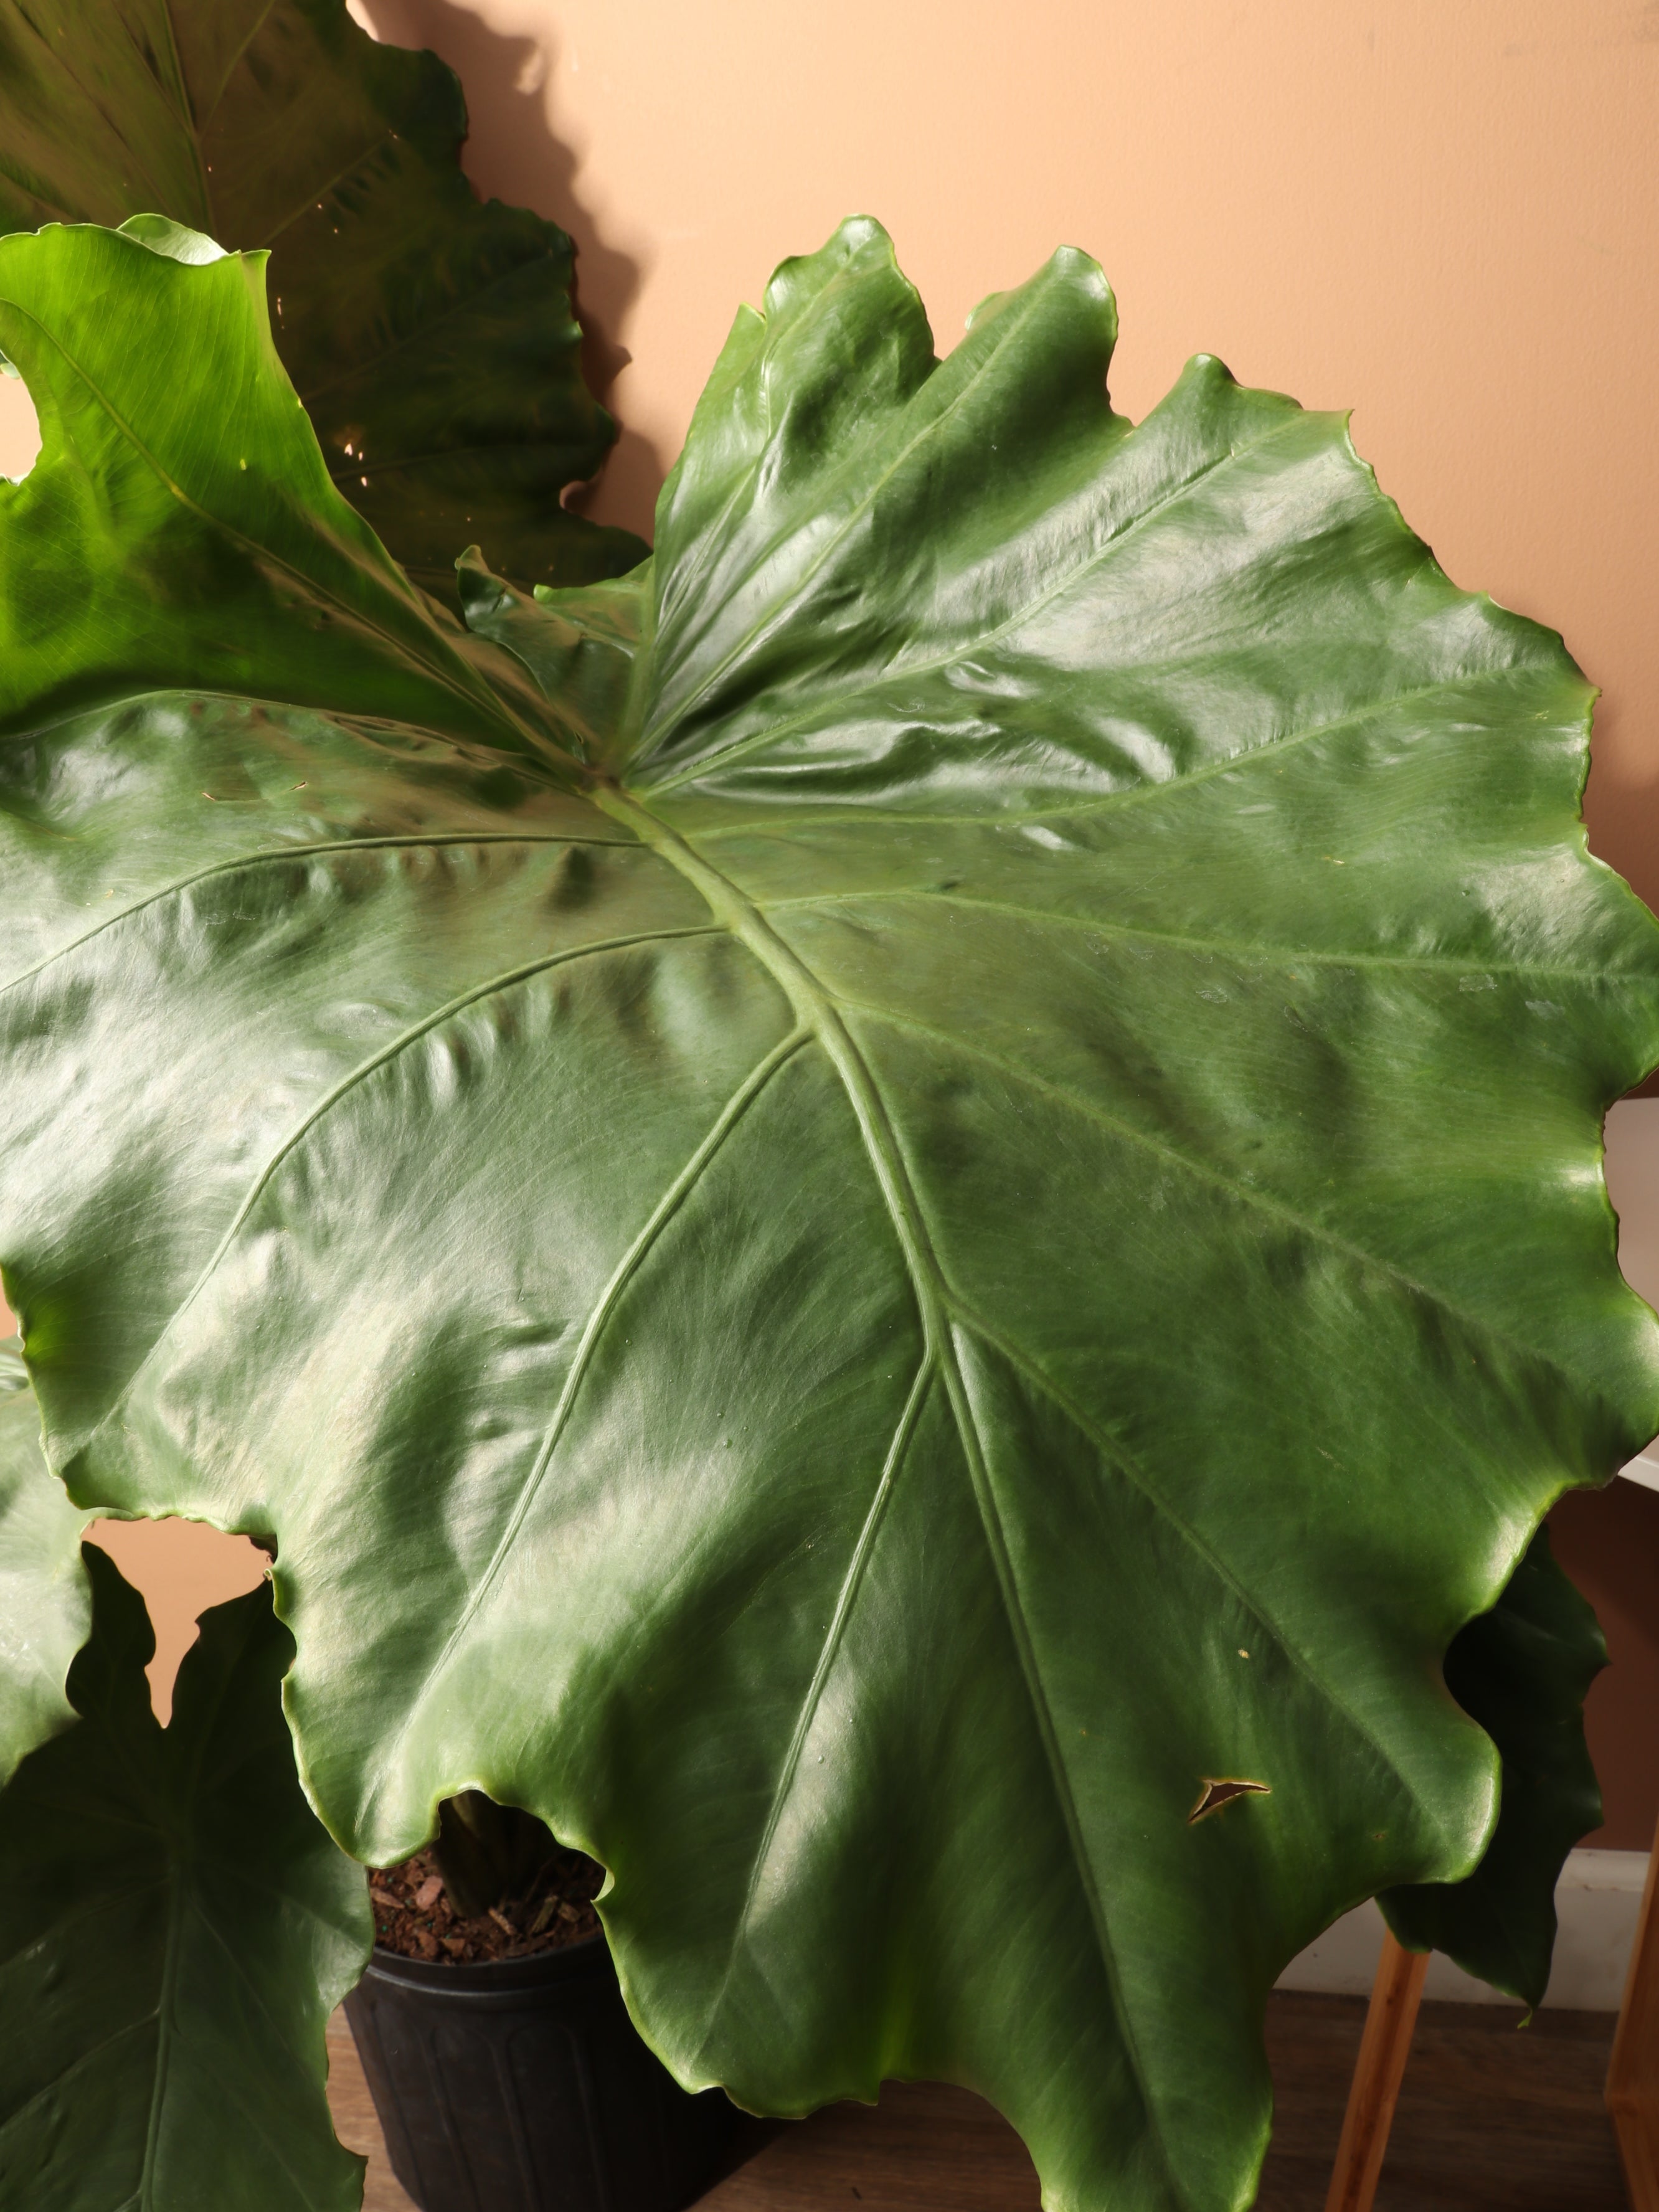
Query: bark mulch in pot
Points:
[413, 1915]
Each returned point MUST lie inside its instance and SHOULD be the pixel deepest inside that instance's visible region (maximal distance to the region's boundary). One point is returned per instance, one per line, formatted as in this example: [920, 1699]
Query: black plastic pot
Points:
[522, 2085]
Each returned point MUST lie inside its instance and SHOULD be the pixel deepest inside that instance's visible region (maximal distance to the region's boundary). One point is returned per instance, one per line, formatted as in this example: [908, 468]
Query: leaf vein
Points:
[204, 123]
[1114, 1455]
[348, 1083]
[109, 1901]
[1138, 793]
[904, 672]
[855, 513]
[277, 852]
[1263, 1201]
[1236, 949]
[599, 1318]
[845, 1599]
[460, 305]
[242, 1973]
[81, 2058]
[314, 197]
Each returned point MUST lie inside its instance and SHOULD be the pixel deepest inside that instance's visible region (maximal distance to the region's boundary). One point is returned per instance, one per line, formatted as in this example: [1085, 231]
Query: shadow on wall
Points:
[514, 154]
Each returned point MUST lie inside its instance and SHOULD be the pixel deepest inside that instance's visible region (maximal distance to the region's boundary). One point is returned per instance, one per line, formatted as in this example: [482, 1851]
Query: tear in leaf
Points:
[1222, 1792]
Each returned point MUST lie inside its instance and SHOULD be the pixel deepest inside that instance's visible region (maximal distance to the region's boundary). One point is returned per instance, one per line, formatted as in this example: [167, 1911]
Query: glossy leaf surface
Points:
[430, 336]
[954, 1198]
[175, 1928]
[1523, 1671]
[45, 1607]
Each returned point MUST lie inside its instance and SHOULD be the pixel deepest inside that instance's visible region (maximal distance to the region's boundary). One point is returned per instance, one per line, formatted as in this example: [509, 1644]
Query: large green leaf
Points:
[45, 1607]
[1523, 1671]
[431, 337]
[174, 1930]
[959, 1201]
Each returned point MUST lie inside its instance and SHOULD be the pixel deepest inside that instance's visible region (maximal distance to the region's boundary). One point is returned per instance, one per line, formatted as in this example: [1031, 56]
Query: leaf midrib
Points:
[818, 1012]
[164, 2012]
[181, 91]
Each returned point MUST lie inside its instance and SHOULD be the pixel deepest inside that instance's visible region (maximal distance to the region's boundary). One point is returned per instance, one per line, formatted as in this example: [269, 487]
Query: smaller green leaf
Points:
[1521, 1670]
[45, 1606]
[155, 497]
[175, 1928]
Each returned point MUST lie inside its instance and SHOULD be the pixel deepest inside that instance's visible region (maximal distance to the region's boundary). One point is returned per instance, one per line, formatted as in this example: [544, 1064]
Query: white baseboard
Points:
[1596, 1901]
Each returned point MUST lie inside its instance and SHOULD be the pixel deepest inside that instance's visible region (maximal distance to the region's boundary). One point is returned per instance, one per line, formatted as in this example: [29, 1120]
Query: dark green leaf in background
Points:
[175, 1928]
[45, 1609]
[1523, 1671]
[431, 336]
[956, 1197]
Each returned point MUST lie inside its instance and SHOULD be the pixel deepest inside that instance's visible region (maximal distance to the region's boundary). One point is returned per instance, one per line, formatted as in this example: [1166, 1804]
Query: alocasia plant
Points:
[866, 1211]
[174, 1929]
[430, 338]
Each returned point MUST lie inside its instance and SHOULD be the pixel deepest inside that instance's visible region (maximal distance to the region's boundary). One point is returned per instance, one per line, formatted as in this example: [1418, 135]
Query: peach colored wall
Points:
[182, 1567]
[1444, 216]
[1440, 212]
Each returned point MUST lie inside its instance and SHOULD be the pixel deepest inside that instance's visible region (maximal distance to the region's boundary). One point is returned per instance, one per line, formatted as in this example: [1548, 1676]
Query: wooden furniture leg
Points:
[1378, 2071]
[1633, 2075]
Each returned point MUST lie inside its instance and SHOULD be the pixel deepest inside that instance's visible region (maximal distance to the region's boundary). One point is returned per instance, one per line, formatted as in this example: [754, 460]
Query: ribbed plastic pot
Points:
[522, 2085]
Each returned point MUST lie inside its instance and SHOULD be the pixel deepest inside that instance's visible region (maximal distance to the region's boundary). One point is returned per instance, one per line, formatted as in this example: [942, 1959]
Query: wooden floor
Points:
[1492, 2119]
